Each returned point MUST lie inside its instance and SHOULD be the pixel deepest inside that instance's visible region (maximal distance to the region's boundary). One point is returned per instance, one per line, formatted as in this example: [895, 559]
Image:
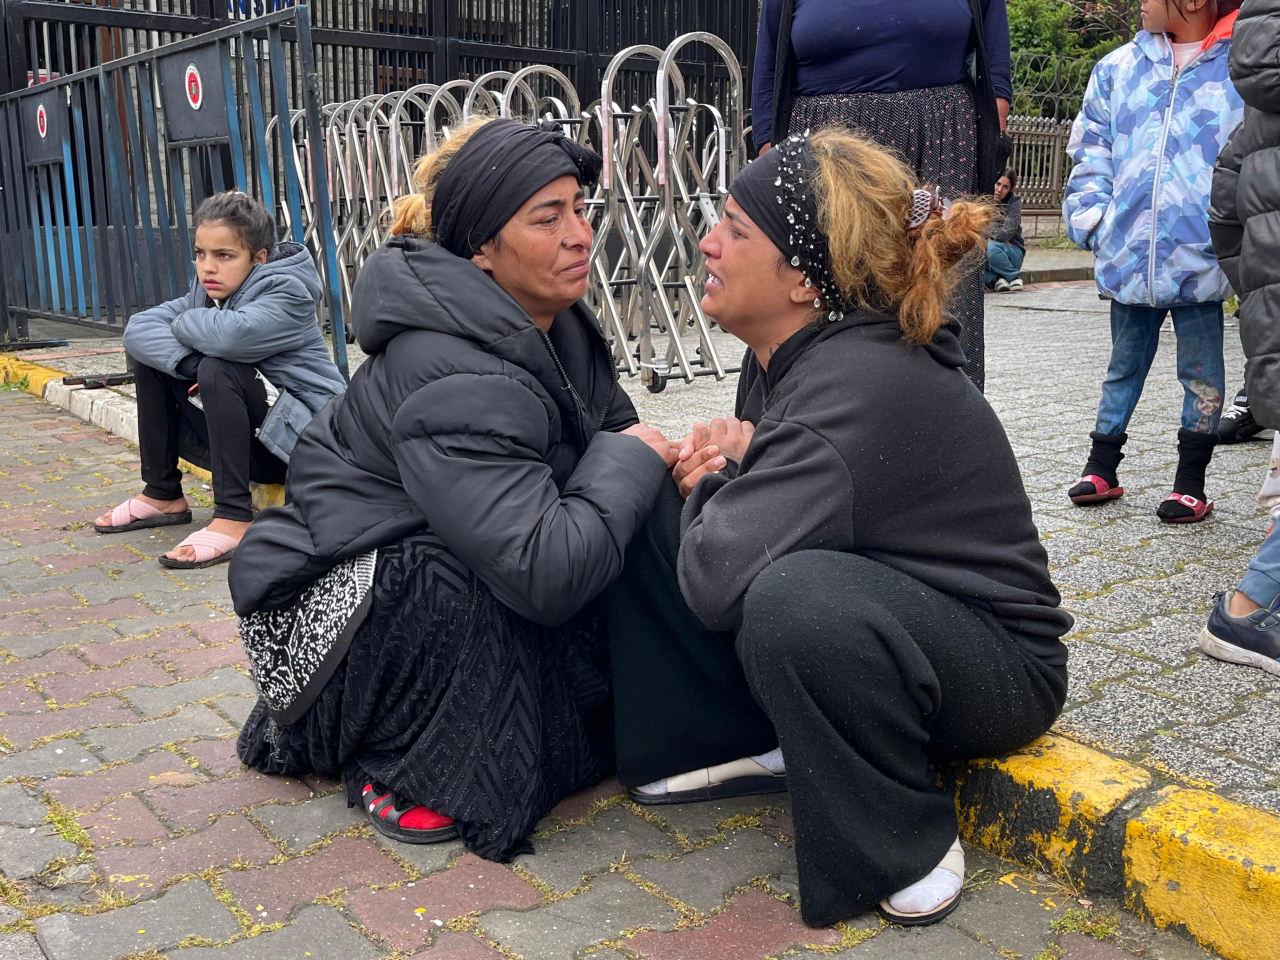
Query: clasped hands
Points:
[705, 450]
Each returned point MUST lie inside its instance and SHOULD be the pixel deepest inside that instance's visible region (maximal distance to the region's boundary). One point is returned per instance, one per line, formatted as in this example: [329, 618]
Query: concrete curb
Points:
[1056, 274]
[1180, 857]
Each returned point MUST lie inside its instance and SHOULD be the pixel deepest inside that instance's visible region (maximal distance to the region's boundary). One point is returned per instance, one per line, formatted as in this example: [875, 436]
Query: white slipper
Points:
[737, 778]
[930, 898]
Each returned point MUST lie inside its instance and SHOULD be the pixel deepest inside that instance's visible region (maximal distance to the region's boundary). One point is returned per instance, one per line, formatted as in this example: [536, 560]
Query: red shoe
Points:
[414, 824]
[1199, 508]
[1091, 488]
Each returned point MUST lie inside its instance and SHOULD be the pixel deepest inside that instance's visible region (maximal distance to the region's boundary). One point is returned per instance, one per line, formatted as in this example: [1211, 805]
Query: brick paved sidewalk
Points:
[127, 828]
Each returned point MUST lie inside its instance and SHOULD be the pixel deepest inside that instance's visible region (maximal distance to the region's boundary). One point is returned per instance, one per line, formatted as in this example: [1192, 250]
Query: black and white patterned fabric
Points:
[294, 651]
[936, 132]
[450, 699]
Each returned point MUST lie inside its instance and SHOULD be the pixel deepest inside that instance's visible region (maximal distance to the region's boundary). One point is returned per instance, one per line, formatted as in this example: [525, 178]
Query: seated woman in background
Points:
[857, 546]
[419, 616]
[1005, 247]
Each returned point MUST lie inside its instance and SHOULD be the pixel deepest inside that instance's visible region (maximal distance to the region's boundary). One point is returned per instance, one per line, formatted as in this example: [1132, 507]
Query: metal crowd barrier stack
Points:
[668, 165]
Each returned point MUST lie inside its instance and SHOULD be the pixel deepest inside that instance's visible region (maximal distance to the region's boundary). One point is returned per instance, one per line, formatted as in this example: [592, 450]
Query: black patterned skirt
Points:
[936, 132]
[453, 701]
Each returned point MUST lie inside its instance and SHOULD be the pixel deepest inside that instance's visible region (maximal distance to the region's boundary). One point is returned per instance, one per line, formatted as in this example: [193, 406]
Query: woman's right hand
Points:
[653, 438]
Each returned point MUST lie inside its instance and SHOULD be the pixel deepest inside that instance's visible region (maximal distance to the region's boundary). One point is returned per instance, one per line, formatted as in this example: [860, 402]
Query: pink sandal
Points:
[1102, 491]
[209, 547]
[135, 514]
[1199, 508]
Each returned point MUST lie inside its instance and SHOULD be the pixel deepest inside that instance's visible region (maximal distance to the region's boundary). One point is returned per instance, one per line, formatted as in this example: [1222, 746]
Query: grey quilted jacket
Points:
[270, 322]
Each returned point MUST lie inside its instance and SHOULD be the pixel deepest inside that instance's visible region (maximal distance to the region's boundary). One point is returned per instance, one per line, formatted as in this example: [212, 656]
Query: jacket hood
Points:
[1255, 67]
[288, 259]
[415, 284]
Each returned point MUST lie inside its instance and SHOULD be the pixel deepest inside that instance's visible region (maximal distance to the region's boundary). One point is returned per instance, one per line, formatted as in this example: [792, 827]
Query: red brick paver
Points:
[345, 863]
[217, 756]
[192, 806]
[56, 661]
[21, 729]
[457, 946]
[192, 664]
[754, 924]
[404, 916]
[125, 819]
[156, 769]
[136, 869]
[69, 688]
[108, 654]
[78, 561]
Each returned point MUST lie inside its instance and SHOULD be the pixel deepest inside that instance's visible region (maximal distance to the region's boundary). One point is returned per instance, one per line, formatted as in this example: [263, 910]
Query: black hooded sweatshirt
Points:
[866, 444]
[467, 421]
[1244, 217]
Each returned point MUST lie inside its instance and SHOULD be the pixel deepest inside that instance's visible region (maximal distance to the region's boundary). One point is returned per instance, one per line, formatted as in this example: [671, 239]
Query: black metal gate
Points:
[374, 46]
[101, 170]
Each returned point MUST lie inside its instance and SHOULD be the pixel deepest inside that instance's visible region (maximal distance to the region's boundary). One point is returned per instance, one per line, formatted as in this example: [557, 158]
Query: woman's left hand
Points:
[1002, 107]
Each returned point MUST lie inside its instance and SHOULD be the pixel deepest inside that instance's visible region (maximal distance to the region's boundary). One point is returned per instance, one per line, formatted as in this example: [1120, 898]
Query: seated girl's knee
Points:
[213, 370]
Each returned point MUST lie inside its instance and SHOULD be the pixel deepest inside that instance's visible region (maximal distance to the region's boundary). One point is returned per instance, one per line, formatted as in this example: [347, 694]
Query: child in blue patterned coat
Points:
[1156, 113]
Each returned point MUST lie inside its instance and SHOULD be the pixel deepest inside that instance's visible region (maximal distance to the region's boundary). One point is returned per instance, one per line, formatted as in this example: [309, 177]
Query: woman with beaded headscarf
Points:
[928, 80]
[866, 591]
[420, 616]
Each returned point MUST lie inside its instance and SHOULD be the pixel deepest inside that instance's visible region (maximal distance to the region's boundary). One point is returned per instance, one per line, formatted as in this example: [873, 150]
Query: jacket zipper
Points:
[1155, 187]
[578, 405]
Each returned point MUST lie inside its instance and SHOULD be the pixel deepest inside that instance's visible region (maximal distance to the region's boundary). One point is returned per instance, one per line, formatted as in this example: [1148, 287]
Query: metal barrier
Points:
[668, 165]
[100, 171]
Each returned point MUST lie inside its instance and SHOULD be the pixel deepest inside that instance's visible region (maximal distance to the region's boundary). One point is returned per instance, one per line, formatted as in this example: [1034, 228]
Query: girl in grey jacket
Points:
[203, 364]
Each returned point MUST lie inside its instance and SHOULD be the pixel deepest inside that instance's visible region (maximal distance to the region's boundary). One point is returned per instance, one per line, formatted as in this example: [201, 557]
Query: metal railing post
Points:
[324, 213]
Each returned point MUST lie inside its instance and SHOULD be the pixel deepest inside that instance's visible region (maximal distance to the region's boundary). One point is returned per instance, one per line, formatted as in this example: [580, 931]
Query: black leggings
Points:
[220, 438]
[869, 677]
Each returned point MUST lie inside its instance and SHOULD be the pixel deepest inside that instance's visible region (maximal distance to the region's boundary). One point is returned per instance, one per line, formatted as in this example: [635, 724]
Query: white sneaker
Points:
[1001, 285]
[1015, 283]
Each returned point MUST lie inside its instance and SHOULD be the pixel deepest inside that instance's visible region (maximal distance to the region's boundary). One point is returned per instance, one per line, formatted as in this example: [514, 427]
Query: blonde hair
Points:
[412, 213]
[864, 200]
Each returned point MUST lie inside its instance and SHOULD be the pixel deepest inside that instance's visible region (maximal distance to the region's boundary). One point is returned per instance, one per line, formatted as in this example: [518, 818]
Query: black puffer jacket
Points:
[467, 420]
[1244, 218]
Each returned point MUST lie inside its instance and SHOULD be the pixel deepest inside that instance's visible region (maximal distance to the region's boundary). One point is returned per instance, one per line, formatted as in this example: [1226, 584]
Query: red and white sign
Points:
[42, 122]
[194, 86]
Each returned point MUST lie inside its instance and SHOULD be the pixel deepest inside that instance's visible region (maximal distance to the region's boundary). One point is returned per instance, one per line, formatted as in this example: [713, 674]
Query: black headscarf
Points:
[494, 173]
[777, 192]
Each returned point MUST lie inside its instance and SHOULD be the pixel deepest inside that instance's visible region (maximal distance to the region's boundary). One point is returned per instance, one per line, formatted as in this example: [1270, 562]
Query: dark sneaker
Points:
[1252, 640]
[1237, 424]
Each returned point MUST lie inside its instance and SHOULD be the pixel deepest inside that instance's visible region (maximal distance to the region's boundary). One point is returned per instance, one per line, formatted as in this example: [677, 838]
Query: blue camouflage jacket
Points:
[1144, 146]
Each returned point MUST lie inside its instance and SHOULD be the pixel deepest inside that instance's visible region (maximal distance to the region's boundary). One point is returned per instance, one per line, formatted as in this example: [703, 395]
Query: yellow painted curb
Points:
[1051, 802]
[1211, 866]
[33, 376]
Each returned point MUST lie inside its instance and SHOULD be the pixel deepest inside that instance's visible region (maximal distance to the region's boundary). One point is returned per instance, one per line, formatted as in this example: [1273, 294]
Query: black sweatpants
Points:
[870, 679]
[680, 698]
[220, 438]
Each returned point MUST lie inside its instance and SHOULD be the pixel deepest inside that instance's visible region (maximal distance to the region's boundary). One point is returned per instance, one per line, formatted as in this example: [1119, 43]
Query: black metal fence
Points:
[101, 170]
[375, 46]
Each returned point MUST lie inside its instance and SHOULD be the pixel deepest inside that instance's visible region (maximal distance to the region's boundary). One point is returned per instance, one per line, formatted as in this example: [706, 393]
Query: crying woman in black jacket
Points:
[419, 616]
[870, 593]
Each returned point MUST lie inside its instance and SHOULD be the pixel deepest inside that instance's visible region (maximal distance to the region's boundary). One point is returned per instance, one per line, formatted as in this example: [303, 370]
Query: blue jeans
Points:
[1261, 580]
[1003, 260]
[1135, 334]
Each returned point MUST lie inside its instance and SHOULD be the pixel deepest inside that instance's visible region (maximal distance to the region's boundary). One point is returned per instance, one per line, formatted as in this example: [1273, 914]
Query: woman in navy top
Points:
[897, 72]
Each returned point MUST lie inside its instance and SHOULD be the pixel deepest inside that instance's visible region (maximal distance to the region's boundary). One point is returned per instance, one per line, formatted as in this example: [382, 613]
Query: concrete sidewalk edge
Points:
[1181, 857]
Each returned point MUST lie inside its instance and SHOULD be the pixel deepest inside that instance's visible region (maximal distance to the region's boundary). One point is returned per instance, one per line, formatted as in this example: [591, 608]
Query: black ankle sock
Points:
[1105, 456]
[1195, 450]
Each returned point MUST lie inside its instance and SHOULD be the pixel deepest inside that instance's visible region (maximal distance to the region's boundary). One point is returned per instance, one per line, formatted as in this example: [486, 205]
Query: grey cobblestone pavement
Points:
[129, 829]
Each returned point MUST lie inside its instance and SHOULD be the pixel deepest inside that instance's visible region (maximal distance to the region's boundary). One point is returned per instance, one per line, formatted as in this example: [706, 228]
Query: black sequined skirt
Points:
[936, 132]
[454, 701]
